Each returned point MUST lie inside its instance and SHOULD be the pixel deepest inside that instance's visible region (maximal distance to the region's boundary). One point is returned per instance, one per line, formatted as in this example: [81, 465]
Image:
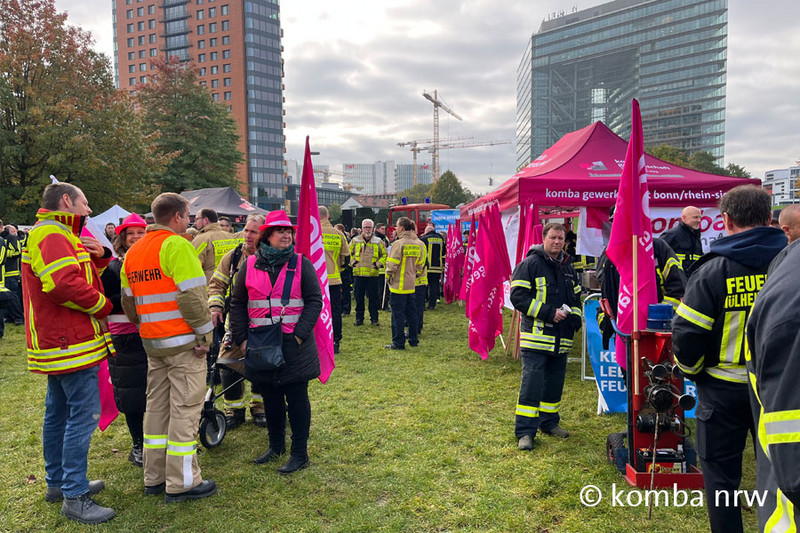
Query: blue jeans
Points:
[72, 412]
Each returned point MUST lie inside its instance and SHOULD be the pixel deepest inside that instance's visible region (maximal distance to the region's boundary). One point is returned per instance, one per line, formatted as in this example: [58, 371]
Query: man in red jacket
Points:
[67, 335]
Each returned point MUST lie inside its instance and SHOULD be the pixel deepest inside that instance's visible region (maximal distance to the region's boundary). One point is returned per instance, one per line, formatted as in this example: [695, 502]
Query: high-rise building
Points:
[405, 175]
[587, 65]
[370, 178]
[782, 184]
[236, 44]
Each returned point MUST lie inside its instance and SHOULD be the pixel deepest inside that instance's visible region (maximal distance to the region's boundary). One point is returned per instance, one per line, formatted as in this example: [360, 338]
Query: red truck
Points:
[419, 213]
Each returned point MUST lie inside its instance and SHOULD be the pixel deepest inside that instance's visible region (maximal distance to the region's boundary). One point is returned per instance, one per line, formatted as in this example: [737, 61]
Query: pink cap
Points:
[278, 219]
[131, 221]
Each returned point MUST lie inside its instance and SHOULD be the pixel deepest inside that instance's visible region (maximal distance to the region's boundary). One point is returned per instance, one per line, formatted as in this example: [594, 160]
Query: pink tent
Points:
[583, 169]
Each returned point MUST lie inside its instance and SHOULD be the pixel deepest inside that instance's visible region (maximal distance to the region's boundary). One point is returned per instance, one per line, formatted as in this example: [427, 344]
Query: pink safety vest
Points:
[264, 303]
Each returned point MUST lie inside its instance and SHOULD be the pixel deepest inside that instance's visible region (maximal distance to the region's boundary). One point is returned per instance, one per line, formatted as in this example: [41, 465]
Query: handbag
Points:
[264, 351]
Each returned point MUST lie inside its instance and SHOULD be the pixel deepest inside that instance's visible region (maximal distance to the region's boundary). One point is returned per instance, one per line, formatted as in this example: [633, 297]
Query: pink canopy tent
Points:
[583, 169]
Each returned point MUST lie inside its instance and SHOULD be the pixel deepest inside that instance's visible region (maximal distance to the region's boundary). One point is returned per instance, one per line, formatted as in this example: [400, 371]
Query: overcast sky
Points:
[355, 71]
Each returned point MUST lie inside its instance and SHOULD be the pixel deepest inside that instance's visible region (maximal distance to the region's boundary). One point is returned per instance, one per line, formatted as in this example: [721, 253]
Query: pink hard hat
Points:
[131, 221]
[277, 219]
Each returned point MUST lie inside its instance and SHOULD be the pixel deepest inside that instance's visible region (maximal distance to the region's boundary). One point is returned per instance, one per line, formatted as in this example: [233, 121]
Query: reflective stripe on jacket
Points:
[264, 306]
[366, 257]
[405, 263]
[212, 243]
[63, 297]
[336, 249]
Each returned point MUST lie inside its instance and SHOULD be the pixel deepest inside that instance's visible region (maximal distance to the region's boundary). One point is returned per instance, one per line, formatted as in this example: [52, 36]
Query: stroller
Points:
[213, 424]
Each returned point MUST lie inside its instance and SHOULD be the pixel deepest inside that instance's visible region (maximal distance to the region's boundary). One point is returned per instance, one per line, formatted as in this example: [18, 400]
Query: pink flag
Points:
[454, 263]
[491, 268]
[309, 243]
[469, 263]
[530, 230]
[108, 407]
[632, 219]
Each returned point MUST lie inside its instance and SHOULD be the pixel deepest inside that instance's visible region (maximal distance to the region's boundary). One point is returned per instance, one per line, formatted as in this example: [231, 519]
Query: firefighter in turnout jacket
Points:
[684, 239]
[219, 289]
[13, 311]
[421, 284]
[367, 254]
[545, 290]
[67, 335]
[435, 246]
[336, 254]
[709, 343]
[405, 263]
[774, 353]
[164, 291]
[211, 241]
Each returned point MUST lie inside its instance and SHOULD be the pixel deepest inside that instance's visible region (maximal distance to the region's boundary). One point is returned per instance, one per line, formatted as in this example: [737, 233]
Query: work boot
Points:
[205, 489]
[136, 456]
[234, 418]
[359, 322]
[526, 443]
[295, 463]
[154, 490]
[557, 431]
[335, 347]
[260, 420]
[85, 510]
[270, 455]
[54, 494]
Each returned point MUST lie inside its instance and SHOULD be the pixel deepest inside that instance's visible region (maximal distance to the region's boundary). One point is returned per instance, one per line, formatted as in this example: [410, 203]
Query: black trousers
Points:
[336, 311]
[404, 311]
[434, 288]
[276, 400]
[367, 285]
[724, 418]
[420, 294]
[539, 392]
[347, 289]
[13, 311]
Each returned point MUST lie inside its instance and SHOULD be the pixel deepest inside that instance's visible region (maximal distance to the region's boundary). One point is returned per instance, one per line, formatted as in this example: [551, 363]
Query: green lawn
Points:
[420, 440]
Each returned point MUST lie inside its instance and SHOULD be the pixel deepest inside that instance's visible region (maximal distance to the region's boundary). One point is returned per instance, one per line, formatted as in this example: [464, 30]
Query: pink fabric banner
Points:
[309, 243]
[108, 407]
[469, 263]
[491, 268]
[632, 219]
[454, 263]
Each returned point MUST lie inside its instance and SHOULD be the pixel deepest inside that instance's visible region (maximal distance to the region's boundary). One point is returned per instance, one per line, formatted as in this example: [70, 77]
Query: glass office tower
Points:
[587, 65]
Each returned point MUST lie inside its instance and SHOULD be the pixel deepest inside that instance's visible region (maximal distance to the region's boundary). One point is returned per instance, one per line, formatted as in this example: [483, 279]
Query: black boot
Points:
[234, 418]
[295, 463]
[136, 456]
[270, 455]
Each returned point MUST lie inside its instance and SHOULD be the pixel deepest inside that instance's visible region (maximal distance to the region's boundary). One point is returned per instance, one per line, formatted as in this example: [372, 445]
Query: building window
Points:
[131, 56]
[151, 24]
[141, 40]
[153, 52]
[226, 82]
[212, 12]
[214, 84]
[226, 39]
[214, 56]
[224, 10]
[227, 95]
[129, 28]
[201, 58]
[212, 42]
[139, 11]
[140, 26]
[201, 29]
[131, 42]
[214, 69]
[201, 43]
[131, 81]
[152, 38]
[200, 15]
[226, 25]
[129, 14]
[142, 67]
[143, 79]
[131, 68]
[226, 67]
[226, 54]
[212, 28]
[215, 96]
[203, 73]
[151, 10]
[199, 2]
[142, 54]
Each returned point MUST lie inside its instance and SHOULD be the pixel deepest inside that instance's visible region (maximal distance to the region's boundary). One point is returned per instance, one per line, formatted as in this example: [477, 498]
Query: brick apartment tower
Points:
[236, 44]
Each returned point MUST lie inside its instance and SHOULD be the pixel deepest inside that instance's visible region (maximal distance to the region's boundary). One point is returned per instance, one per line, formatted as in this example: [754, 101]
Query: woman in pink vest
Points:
[256, 301]
[128, 369]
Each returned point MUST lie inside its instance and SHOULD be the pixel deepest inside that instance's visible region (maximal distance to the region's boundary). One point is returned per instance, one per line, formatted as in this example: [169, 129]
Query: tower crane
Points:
[416, 148]
[428, 145]
[437, 103]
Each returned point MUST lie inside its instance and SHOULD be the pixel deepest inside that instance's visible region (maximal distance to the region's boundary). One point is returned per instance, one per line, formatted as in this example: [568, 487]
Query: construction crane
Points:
[416, 148]
[437, 103]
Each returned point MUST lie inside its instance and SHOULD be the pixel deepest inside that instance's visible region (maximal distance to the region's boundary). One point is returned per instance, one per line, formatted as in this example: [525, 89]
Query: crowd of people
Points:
[166, 302]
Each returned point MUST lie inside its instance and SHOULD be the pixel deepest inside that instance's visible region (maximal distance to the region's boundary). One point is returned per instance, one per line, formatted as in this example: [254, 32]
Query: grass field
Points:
[418, 441]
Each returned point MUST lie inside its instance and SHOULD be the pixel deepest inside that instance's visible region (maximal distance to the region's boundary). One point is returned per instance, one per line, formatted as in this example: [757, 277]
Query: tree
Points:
[60, 115]
[335, 210]
[670, 154]
[192, 127]
[702, 161]
[448, 190]
[416, 194]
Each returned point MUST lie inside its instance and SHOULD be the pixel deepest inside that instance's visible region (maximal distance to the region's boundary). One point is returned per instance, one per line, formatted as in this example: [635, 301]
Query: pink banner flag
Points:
[309, 243]
[454, 263]
[491, 268]
[632, 225]
[469, 263]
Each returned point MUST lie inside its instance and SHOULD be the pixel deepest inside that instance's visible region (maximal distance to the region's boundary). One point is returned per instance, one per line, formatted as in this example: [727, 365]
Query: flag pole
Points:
[635, 329]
